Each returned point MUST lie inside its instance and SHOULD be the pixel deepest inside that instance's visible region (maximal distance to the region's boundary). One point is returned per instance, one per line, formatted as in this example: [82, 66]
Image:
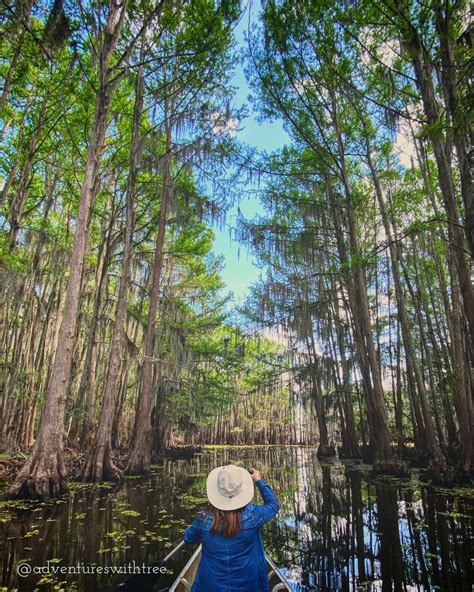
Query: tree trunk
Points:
[350, 442]
[18, 200]
[82, 412]
[461, 389]
[439, 461]
[43, 475]
[384, 460]
[140, 458]
[462, 131]
[324, 449]
[99, 465]
[423, 72]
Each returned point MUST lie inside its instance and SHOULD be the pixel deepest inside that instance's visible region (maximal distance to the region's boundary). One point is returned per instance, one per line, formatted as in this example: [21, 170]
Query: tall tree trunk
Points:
[451, 72]
[350, 441]
[439, 461]
[98, 464]
[43, 475]
[462, 386]
[384, 458]
[82, 412]
[424, 76]
[19, 198]
[324, 449]
[140, 458]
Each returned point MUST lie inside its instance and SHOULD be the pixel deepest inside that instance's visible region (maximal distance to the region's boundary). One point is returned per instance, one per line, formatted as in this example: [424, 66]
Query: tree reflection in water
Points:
[337, 530]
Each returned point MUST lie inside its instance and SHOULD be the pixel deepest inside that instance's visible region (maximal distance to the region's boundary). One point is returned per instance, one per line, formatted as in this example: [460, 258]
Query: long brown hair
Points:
[225, 522]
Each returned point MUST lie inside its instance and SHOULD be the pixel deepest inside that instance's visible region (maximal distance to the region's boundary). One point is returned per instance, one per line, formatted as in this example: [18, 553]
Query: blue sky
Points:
[240, 270]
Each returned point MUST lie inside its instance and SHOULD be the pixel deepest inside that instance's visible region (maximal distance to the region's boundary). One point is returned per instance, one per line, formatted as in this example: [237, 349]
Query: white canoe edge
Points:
[284, 585]
[185, 579]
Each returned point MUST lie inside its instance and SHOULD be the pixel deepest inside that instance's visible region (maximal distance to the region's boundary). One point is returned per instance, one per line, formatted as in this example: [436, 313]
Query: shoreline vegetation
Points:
[11, 463]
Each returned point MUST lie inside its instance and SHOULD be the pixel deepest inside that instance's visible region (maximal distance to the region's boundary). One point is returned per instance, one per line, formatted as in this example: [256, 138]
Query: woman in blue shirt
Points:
[232, 557]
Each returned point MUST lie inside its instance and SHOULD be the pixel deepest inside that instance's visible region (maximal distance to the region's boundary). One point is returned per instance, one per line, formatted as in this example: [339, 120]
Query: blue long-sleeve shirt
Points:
[235, 564]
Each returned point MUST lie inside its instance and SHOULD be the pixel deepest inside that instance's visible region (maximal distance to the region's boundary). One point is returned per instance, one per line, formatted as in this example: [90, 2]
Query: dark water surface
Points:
[337, 530]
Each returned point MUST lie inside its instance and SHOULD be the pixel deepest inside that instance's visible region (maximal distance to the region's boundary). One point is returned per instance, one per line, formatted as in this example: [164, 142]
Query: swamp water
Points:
[337, 529]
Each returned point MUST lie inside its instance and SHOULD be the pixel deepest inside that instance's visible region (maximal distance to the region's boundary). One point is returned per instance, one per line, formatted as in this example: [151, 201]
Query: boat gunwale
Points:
[197, 553]
[188, 564]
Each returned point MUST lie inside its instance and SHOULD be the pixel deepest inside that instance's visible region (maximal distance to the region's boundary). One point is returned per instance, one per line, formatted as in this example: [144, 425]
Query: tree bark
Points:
[43, 475]
[140, 458]
[424, 76]
[324, 448]
[439, 461]
[350, 441]
[98, 465]
[462, 130]
[384, 458]
[82, 412]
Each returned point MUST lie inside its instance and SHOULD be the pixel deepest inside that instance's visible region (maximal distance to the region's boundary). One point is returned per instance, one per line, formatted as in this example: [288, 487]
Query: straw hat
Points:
[229, 487]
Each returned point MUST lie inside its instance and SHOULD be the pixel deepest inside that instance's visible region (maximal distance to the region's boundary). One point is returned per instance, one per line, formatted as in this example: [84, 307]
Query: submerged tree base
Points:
[43, 477]
[99, 467]
[139, 463]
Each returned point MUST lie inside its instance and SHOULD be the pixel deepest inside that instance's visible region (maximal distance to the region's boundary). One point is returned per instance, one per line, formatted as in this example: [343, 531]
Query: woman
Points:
[232, 552]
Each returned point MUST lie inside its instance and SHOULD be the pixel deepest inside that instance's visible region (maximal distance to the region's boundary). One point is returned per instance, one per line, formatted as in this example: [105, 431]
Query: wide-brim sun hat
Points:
[229, 487]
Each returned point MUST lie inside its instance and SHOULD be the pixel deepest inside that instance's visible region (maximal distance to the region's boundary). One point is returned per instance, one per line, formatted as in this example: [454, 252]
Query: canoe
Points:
[184, 581]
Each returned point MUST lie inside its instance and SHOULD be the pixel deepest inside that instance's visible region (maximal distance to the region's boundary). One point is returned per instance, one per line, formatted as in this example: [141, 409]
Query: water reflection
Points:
[338, 529]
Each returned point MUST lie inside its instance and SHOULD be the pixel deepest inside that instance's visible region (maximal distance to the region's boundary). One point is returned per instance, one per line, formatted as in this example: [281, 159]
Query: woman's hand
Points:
[256, 475]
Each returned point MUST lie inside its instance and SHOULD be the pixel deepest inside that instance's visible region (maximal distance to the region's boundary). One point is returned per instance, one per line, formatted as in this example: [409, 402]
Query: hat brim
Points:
[240, 500]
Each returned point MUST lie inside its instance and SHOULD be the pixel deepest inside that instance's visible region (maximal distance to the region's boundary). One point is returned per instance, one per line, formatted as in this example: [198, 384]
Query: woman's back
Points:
[236, 563]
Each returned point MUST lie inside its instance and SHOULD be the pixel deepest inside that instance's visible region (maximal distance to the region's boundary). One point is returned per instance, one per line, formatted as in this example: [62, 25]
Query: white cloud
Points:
[224, 126]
